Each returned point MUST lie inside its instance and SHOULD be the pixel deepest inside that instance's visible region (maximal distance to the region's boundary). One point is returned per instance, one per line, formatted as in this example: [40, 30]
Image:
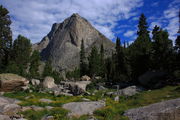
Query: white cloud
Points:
[34, 18]
[129, 33]
[171, 15]
[152, 25]
[168, 20]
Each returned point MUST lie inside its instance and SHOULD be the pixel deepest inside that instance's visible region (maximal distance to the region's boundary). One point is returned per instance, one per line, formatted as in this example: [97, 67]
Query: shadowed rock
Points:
[167, 110]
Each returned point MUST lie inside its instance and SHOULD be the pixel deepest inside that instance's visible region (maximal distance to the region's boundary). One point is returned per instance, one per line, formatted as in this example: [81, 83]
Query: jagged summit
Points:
[62, 43]
[75, 15]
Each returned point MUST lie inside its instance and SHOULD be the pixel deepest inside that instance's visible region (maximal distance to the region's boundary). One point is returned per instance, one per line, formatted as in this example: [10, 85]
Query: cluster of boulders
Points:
[12, 82]
[64, 88]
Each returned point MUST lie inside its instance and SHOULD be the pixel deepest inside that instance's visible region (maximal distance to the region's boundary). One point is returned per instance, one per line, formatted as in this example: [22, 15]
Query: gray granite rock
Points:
[62, 44]
[4, 117]
[167, 110]
[83, 108]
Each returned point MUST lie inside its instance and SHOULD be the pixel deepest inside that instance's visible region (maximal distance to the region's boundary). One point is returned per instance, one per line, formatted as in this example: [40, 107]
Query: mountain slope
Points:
[62, 45]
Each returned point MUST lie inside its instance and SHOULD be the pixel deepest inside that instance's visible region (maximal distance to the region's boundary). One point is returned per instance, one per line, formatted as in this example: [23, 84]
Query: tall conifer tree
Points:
[5, 38]
[34, 64]
[83, 64]
[162, 49]
[94, 62]
[141, 49]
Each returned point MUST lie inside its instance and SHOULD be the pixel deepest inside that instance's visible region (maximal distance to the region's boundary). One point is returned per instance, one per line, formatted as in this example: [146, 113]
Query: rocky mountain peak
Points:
[62, 43]
[75, 15]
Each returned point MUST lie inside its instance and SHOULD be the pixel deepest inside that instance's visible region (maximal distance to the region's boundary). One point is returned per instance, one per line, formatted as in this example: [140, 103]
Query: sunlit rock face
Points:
[62, 45]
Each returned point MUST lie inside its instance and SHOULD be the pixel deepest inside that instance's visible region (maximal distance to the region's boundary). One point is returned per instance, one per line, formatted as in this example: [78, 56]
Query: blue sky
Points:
[34, 18]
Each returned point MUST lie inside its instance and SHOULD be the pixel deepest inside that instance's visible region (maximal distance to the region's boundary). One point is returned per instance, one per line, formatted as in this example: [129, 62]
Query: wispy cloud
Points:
[168, 20]
[171, 15]
[130, 33]
[33, 18]
[152, 25]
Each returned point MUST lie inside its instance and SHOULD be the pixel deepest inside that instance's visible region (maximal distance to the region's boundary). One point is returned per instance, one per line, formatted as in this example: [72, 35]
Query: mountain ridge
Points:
[62, 44]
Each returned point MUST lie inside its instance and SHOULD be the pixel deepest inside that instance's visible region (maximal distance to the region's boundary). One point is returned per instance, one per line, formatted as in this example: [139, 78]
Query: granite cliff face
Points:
[62, 45]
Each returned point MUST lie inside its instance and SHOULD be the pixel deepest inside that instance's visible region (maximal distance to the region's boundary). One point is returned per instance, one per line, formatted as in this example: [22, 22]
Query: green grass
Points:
[112, 111]
[37, 115]
[34, 99]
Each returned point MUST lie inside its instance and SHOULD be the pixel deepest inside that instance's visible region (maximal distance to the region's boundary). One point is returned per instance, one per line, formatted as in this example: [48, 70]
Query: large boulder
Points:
[77, 88]
[35, 82]
[10, 109]
[128, 91]
[85, 78]
[9, 106]
[83, 108]
[153, 79]
[12, 82]
[4, 117]
[49, 83]
[167, 110]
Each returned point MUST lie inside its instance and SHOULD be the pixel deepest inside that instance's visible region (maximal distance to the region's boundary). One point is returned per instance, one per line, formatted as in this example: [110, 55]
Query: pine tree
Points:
[102, 61]
[177, 48]
[117, 60]
[34, 64]
[21, 52]
[143, 26]
[140, 50]
[94, 62]
[5, 38]
[121, 70]
[48, 71]
[162, 49]
[83, 64]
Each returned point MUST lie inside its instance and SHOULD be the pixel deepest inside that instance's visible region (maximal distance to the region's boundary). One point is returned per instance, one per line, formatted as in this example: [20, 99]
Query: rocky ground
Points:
[71, 101]
[167, 110]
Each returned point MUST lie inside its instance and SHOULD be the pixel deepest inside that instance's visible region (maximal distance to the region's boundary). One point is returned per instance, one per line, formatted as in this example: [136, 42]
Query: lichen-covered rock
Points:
[10, 109]
[45, 100]
[129, 91]
[12, 82]
[49, 82]
[48, 118]
[9, 106]
[85, 78]
[78, 87]
[167, 110]
[83, 108]
[4, 117]
[35, 82]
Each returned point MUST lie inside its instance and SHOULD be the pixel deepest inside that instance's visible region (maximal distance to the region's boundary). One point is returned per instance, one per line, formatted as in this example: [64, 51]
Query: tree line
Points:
[128, 62]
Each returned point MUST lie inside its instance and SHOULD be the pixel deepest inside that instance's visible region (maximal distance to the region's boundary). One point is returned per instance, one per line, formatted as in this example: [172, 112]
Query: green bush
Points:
[73, 74]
